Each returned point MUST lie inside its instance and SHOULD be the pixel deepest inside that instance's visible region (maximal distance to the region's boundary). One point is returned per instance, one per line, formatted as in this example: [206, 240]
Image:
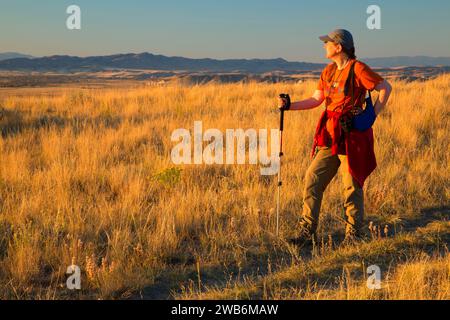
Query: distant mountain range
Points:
[418, 61]
[148, 61]
[13, 55]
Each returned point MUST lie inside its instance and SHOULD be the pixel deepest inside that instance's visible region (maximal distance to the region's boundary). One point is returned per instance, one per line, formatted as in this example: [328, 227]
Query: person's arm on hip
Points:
[384, 89]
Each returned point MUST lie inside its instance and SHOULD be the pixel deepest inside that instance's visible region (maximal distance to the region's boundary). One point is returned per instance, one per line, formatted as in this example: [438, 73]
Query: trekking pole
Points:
[287, 105]
[279, 169]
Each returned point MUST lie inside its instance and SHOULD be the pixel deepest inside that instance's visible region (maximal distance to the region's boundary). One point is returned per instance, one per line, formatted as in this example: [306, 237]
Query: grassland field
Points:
[87, 179]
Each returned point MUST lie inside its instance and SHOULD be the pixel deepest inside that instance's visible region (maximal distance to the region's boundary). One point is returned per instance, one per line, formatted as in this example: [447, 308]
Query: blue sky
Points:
[223, 29]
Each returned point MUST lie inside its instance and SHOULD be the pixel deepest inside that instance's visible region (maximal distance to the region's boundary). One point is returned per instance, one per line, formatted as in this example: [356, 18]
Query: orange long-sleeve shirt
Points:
[332, 83]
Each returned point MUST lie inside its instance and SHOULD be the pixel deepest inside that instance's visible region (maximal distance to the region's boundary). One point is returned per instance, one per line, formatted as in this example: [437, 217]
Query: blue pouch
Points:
[365, 119]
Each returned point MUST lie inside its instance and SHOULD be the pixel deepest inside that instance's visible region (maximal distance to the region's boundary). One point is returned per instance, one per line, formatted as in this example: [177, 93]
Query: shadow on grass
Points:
[13, 122]
[306, 267]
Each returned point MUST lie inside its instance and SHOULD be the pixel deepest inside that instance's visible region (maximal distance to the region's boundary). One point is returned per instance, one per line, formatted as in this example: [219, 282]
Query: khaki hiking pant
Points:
[319, 174]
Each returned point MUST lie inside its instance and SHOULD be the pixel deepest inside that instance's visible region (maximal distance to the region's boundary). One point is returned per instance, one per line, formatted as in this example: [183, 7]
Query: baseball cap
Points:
[339, 36]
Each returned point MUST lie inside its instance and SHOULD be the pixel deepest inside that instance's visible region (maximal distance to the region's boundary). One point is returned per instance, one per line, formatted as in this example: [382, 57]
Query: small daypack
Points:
[365, 119]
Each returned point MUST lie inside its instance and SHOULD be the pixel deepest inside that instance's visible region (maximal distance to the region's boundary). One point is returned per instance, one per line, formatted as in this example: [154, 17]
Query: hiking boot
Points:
[304, 238]
[302, 241]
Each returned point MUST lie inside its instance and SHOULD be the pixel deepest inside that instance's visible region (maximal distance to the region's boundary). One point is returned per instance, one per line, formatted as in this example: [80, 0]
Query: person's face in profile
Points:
[332, 49]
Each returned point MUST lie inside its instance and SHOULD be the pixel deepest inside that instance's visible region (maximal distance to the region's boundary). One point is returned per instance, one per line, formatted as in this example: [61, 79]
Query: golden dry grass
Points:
[86, 177]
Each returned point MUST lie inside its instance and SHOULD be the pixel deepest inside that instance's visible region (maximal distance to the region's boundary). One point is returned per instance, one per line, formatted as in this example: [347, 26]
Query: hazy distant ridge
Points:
[403, 61]
[149, 61]
[13, 55]
[156, 62]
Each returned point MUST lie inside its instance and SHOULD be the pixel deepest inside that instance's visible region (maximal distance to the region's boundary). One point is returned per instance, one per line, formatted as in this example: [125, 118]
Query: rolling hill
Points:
[149, 61]
[153, 62]
[13, 55]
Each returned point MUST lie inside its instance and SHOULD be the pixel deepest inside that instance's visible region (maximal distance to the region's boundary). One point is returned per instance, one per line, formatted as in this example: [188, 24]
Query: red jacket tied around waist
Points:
[358, 146]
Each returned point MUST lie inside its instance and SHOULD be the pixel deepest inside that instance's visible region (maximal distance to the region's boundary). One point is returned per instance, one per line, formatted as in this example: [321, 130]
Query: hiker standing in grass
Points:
[343, 86]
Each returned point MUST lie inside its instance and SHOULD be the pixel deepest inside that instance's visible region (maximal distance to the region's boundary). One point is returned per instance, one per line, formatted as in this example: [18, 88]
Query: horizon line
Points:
[205, 58]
